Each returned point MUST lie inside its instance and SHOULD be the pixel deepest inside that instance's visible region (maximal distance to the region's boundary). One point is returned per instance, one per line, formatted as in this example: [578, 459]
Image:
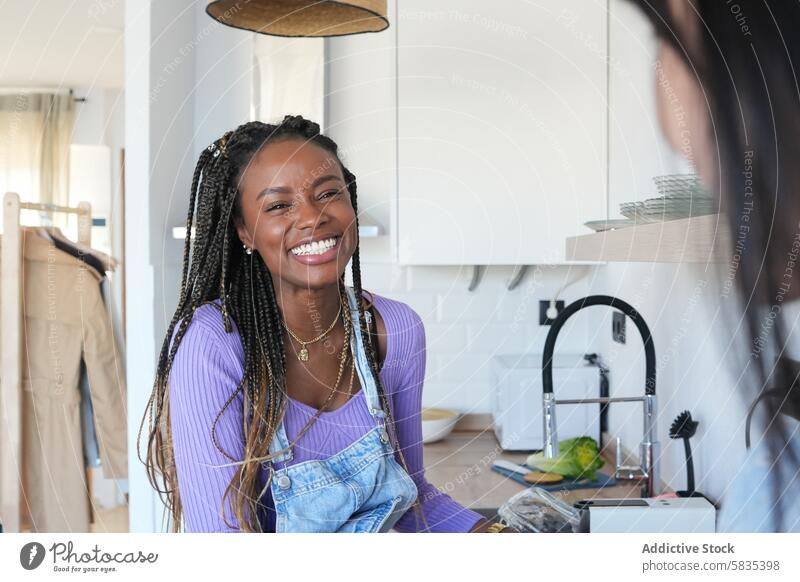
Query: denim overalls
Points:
[360, 489]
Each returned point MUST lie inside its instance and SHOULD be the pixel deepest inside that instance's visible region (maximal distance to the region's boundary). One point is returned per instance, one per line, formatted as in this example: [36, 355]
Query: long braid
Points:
[219, 268]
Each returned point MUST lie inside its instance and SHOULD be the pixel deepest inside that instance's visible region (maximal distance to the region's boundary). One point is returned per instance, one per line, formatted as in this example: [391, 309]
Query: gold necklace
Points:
[342, 360]
[302, 355]
[352, 372]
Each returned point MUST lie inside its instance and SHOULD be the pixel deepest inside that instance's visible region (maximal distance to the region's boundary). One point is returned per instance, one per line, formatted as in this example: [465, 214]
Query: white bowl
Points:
[437, 423]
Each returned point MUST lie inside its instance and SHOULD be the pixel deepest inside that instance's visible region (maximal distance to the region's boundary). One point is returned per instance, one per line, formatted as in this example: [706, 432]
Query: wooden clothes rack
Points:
[11, 358]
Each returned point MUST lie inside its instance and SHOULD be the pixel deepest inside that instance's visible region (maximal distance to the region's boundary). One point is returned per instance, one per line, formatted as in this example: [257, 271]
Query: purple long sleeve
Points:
[206, 371]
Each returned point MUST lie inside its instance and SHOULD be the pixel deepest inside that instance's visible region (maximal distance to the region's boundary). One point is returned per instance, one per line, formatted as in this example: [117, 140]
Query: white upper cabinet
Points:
[502, 129]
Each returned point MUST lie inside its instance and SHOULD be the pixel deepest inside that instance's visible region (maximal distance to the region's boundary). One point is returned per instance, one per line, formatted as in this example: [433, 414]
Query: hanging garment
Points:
[65, 322]
[361, 489]
[91, 452]
[98, 259]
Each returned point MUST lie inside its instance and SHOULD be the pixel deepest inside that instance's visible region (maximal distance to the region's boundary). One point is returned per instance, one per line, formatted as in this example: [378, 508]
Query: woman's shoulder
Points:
[748, 504]
[207, 326]
[405, 331]
[399, 317]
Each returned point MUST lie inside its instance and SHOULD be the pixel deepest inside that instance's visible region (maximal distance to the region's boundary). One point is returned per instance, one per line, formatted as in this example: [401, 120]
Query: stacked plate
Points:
[680, 185]
[614, 224]
[682, 196]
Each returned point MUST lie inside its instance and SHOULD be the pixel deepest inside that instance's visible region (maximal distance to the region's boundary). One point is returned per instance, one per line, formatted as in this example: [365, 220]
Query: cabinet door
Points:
[501, 129]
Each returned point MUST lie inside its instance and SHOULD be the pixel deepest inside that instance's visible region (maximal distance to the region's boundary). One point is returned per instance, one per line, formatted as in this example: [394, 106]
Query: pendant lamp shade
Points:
[301, 17]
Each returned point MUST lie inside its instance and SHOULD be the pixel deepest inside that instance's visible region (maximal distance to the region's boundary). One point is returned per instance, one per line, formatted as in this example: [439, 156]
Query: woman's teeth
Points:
[316, 247]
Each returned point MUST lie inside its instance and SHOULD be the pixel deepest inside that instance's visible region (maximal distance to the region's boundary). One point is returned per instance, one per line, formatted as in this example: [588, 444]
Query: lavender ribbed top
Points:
[208, 367]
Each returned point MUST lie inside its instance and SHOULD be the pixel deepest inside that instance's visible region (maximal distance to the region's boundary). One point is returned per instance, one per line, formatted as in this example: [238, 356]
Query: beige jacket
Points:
[66, 320]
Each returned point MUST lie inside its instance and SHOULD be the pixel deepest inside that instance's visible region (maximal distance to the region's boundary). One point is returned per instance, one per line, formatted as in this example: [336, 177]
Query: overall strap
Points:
[362, 364]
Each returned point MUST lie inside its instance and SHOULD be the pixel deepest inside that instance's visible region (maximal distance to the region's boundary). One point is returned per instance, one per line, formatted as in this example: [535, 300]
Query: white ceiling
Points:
[62, 43]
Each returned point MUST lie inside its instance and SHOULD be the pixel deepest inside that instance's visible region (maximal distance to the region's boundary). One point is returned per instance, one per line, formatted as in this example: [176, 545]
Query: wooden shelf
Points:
[700, 239]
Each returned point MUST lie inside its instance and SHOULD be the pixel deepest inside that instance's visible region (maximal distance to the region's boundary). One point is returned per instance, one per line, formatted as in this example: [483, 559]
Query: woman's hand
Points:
[483, 525]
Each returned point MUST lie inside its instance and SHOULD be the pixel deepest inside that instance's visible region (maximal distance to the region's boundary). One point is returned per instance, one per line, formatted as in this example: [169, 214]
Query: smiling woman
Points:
[271, 409]
[311, 222]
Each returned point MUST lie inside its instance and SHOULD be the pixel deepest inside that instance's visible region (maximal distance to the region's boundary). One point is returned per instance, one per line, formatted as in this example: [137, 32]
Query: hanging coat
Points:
[66, 321]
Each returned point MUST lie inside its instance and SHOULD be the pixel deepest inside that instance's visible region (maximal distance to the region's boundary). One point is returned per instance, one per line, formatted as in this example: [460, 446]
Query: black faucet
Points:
[647, 472]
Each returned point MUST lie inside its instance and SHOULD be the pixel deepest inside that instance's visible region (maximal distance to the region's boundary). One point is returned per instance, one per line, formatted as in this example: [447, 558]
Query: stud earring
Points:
[247, 249]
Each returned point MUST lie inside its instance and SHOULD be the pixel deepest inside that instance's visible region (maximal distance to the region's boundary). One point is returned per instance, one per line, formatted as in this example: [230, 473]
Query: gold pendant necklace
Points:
[346, 347]
[302, 355]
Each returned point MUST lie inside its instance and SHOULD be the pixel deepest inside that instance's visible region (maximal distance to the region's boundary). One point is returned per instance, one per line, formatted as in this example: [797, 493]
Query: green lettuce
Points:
[578, 458]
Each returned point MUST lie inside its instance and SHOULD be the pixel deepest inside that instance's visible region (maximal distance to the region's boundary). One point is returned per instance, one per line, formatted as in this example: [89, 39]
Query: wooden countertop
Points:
[461, 466]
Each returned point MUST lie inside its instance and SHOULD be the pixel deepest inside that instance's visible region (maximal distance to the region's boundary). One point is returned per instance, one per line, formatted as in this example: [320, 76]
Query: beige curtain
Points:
[35, 135]
[289, 78]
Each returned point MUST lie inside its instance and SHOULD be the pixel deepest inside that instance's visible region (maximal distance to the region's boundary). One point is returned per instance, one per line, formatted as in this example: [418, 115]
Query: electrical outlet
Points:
[543, 307]
[618, 327]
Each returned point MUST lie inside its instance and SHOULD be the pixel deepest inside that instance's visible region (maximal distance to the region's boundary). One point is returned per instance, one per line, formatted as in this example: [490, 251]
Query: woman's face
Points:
[293, 193]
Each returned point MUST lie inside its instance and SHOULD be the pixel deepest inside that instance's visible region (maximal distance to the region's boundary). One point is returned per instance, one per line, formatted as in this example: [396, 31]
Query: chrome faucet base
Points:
[549, 410]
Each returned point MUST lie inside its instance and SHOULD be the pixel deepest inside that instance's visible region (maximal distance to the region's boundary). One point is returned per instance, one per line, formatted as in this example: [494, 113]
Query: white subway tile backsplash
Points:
[464, 307]
[479, 398]
[495, 338]
[383, 278]
[438, 279]
[445, 337]
[463, 367]
[439, 394]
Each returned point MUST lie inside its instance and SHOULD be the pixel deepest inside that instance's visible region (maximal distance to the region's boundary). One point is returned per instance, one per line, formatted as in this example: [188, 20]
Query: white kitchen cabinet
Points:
[502, 127]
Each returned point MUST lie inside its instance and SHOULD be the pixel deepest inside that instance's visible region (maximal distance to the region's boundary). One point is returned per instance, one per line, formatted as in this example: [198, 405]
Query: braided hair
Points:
[219, 268]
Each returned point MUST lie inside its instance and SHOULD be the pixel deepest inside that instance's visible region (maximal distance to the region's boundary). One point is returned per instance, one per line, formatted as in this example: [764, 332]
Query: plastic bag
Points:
[538, 510]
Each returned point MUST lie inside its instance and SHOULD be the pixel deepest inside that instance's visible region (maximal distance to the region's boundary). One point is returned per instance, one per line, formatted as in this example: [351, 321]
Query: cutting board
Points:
[603, 480]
